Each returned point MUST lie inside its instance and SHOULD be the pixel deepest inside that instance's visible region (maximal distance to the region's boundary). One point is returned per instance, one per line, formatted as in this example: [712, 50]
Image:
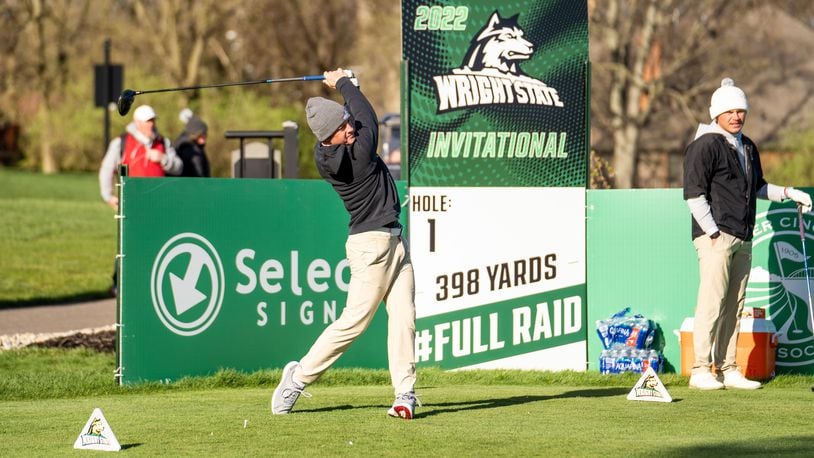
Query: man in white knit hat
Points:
[722, 179]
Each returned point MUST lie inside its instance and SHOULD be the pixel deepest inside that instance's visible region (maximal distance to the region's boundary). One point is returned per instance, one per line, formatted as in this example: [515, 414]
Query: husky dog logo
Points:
[778, 281]
[650, 382]
[490, 73]
[499, 45]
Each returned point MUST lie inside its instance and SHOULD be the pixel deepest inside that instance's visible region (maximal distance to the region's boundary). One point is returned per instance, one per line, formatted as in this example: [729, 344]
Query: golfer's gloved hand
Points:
[802, 198]
[352, 76]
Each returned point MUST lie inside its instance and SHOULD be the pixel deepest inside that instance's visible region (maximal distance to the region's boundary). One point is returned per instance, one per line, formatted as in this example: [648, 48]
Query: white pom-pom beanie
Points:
[727, 97]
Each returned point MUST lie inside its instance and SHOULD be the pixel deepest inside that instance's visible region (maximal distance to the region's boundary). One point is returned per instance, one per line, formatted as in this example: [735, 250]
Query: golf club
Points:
[805, 266]
[129, 95]
[805, 263]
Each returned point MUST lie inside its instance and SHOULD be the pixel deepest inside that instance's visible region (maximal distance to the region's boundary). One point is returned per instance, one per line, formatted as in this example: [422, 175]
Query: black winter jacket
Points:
[194, 157]
[712, 169]
[356, 172]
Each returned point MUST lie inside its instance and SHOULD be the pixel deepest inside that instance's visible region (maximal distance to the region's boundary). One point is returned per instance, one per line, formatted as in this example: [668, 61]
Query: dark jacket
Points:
[193, 156]
[356, 172]
[712, 169]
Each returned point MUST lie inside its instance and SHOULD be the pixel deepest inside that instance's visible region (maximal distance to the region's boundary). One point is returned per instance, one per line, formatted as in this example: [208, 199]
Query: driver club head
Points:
[126, 101]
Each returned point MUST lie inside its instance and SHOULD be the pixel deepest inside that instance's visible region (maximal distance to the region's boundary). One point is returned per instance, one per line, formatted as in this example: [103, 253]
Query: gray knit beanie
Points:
[324, 116]
[196, 127]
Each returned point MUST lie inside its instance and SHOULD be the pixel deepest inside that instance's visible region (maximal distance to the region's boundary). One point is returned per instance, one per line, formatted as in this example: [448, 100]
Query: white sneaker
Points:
[288, 391]
[705, 381]
[404, 406]
[734, 379]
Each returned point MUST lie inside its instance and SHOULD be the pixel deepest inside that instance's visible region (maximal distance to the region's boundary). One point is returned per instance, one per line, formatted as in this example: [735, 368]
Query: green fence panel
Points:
[223, 273]
[640, 255]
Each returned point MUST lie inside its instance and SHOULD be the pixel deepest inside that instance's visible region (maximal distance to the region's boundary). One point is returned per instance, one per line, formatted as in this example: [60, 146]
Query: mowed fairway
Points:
[456, 419]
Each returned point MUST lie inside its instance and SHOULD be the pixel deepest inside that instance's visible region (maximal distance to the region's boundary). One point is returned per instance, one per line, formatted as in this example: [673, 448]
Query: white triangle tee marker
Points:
[97, 435]
[649, 388]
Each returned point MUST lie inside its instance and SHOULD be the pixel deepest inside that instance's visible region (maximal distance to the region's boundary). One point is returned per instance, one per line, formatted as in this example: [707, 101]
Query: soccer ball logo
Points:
[778, 283]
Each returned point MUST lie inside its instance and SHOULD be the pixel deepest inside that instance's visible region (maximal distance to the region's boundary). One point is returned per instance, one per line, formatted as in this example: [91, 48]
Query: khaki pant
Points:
[724, 269]
[380, 270]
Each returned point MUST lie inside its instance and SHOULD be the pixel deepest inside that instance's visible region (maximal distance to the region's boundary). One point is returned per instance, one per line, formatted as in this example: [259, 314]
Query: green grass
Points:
[57, 238]
[57, 242]
[46, 397]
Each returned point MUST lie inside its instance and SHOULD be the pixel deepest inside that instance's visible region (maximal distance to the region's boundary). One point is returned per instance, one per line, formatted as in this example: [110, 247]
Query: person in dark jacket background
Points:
[722, 179]
[346, 157]
[191, 145]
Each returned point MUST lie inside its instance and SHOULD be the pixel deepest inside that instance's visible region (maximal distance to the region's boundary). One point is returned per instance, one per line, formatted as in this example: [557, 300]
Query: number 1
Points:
[432, 234]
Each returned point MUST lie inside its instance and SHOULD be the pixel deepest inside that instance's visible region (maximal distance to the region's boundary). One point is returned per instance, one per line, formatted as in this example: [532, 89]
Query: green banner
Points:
[222, 273]
[497, 92]
[640, 255]
[778, 282]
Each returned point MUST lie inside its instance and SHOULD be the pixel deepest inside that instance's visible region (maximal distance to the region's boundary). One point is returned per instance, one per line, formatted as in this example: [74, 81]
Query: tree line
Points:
[654, 65]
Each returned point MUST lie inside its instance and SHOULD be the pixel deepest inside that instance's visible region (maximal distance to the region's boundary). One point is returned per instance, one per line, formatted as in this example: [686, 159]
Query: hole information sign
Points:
[495, 96]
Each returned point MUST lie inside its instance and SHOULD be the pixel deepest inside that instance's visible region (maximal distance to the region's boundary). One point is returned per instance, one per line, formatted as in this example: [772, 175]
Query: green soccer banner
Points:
[495, 93]
[780, 283]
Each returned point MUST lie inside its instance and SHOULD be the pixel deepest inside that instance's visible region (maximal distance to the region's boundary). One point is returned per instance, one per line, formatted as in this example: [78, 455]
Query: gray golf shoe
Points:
[404, 406]
[287, 392]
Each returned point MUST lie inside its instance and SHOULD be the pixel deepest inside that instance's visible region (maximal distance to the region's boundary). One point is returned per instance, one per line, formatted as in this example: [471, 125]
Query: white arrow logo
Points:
[184, 291]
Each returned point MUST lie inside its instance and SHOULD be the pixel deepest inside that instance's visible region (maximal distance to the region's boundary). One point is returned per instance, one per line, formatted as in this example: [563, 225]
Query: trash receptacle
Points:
[757, 347]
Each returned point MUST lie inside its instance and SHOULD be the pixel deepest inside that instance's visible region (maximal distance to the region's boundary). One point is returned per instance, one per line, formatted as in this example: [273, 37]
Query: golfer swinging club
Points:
[345, 155]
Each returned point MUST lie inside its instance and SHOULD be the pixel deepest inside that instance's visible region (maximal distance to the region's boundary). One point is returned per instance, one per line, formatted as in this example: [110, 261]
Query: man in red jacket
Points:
[146, 153]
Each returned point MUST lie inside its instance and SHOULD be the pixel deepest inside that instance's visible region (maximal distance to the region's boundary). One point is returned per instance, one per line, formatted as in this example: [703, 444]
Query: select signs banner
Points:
[495, 93]
[223, 273]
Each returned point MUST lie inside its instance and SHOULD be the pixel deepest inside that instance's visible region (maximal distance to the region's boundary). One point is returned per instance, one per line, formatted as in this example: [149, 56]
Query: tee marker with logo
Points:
[649, 388]
[97, 434]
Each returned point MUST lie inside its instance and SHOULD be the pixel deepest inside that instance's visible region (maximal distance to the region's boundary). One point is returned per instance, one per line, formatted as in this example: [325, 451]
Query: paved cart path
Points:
[58, 318]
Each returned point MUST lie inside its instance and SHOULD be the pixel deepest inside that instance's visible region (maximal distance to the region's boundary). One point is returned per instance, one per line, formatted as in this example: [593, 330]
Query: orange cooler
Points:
[757, 347]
